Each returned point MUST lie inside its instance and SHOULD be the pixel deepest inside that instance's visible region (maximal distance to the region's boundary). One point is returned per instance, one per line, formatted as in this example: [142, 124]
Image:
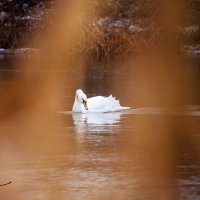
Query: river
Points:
[102, 164]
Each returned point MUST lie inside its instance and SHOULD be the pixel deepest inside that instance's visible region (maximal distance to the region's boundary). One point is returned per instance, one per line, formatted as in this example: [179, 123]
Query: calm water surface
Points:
[99, 166]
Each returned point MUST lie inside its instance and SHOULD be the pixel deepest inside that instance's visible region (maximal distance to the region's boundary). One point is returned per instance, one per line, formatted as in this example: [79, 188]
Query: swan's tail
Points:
[114, 103]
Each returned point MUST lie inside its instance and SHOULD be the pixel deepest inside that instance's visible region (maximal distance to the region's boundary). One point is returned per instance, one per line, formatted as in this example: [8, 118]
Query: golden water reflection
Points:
[101, 165]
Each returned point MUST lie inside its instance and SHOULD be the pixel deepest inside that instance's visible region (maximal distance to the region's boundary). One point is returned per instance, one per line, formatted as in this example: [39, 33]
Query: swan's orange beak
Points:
[85, 105]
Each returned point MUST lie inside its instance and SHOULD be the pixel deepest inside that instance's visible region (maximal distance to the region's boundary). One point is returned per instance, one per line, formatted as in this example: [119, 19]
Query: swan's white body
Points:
[98, 104]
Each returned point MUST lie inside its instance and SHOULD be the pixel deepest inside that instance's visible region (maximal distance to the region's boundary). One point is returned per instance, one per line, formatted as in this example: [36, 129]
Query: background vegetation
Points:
[21, 17]
[114, 27]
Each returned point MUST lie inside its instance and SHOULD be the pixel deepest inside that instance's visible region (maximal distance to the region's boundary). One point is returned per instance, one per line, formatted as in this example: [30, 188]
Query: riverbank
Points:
[113, 28]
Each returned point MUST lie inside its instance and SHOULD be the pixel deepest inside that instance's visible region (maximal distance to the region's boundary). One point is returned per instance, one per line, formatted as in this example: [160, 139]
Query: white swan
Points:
[98, 104]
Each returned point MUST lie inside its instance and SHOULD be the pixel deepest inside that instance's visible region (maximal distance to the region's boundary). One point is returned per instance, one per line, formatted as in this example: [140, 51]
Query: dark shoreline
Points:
[118, 25]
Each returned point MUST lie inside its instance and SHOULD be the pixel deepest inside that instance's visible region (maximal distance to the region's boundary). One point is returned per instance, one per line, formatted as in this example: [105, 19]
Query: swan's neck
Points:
[77, 107]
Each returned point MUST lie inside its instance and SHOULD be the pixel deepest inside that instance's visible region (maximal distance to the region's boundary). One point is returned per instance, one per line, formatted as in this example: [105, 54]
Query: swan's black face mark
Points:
[5, 184]
[85, 105]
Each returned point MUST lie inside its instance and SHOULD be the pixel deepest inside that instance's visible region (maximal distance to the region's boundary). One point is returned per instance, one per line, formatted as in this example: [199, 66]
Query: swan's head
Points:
[80, 95]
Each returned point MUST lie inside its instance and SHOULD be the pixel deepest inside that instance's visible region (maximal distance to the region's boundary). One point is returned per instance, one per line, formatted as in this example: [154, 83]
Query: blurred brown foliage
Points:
[30, 102]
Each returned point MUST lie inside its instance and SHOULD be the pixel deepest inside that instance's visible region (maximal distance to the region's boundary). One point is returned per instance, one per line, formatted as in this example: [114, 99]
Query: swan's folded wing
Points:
[97, 103]
[104, 104]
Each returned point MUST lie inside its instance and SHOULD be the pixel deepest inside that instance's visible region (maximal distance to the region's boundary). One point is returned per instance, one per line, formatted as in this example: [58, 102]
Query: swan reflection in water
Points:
[96, 122]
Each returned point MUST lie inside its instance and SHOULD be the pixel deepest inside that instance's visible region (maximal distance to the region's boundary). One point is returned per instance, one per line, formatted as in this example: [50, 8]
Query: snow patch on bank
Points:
[18, 51]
